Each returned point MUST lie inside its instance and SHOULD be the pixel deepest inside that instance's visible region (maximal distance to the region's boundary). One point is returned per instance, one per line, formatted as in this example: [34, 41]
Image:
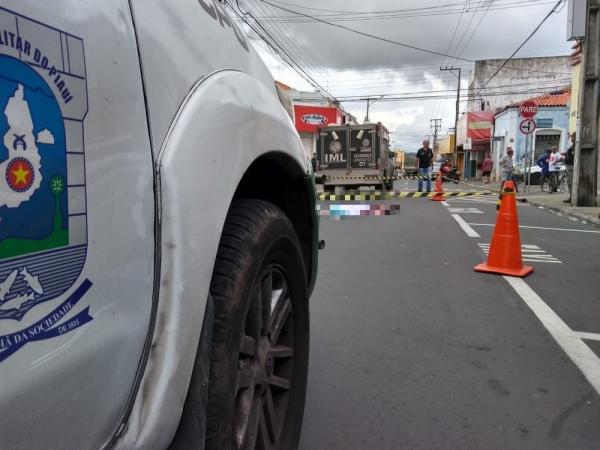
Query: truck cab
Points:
[158, 234]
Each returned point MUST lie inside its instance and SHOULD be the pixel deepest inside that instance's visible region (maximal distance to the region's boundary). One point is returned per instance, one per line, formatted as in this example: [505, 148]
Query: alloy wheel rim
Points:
[265, 364]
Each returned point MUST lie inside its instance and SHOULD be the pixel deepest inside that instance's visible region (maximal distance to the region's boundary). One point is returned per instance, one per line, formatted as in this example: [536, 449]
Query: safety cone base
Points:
[439, 197]
[522, 272]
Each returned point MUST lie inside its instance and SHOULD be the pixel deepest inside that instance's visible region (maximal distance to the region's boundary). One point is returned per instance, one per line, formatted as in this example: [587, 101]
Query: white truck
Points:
[158, 233]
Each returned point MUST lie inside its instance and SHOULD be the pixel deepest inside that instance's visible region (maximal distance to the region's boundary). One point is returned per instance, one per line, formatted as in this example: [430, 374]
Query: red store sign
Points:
[309, 118]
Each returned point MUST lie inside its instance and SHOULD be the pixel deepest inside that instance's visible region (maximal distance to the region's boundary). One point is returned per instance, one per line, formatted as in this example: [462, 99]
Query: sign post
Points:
[528, 110]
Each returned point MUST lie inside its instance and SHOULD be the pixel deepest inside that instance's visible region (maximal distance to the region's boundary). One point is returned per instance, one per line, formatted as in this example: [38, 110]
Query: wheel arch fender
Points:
[228, 124]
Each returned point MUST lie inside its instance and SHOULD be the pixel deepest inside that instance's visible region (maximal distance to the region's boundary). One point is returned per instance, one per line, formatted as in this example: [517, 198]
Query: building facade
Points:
[473, 142]
[552, 129]
[312, 110]
[517, 81]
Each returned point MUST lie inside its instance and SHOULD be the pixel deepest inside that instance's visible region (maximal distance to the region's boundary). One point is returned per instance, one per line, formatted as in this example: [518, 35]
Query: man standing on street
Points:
[486, 168]
[506, 167]
[424, 163]
[569, 162]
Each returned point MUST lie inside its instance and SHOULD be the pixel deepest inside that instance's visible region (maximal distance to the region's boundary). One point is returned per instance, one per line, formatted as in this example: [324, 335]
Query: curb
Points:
[559, 211]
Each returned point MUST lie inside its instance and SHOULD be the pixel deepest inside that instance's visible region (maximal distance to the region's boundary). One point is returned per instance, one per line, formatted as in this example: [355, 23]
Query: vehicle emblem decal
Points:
[43, 202]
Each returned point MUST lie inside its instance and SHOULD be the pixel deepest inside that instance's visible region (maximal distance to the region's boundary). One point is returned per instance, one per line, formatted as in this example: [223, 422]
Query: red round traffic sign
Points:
[528, 109]
[527, 126]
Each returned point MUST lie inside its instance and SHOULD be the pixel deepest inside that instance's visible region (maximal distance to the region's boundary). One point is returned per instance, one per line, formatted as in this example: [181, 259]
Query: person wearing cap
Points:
[506, 166]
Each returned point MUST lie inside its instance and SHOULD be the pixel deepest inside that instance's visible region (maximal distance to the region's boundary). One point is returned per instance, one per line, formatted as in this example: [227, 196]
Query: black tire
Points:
[259, 359]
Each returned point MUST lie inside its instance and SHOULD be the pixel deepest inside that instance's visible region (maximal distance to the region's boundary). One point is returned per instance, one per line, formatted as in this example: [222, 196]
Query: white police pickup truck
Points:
[158, 232]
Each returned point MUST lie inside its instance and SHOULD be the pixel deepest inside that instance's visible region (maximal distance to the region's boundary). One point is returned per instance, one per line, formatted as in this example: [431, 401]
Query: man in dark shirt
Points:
[424, 163]
[569, 162]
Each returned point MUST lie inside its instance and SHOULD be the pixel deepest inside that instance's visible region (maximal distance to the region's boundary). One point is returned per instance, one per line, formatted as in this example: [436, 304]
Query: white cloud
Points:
[348, 64]
[45, 137]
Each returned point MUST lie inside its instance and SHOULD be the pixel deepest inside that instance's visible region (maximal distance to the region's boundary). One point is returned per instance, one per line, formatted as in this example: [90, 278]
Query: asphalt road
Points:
[410, 348]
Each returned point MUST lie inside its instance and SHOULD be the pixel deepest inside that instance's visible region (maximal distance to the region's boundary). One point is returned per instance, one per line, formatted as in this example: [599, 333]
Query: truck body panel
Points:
[346, 153]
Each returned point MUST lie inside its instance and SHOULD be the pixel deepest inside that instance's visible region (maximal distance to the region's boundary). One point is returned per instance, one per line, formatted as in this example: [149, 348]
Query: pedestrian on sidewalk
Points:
[553, 167]
[486, 168]
[506, 166]
[543, 161]
[424, 163]
[569, 162]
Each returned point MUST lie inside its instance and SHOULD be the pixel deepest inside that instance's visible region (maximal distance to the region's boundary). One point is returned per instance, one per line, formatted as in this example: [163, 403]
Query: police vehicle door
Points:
[76, 221]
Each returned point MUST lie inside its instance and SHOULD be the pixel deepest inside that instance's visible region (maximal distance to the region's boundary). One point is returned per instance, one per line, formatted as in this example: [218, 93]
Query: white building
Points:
[520, 79]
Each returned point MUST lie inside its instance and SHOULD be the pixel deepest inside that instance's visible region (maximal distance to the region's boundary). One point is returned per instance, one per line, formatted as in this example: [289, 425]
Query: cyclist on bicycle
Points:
[554, 167]
[543, 161]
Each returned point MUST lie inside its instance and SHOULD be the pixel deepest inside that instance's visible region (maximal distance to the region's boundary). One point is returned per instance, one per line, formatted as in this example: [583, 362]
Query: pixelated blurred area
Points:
[338, 212]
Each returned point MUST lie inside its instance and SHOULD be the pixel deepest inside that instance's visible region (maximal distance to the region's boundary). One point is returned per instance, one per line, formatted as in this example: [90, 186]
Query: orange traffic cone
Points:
[505, 256]
[438, 189]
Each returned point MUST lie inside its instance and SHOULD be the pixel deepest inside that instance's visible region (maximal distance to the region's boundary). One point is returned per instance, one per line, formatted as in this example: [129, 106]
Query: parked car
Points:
[159, 235]
[536, 171]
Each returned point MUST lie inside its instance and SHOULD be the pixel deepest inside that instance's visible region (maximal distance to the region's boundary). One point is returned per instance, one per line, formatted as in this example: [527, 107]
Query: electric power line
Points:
[552, 11]
[389, 41]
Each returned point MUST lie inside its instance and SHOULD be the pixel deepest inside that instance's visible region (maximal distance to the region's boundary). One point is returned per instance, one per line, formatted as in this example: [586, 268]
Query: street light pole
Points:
[368, 99]
[436, 124]
[585, 174]
[453, 70]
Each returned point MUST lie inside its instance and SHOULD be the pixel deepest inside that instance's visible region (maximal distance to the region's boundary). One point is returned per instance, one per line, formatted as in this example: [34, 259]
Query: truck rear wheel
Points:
[259, 350]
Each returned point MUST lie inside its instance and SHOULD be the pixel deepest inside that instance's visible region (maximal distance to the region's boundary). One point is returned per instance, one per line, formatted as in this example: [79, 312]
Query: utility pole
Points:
[585, 176]
[435, 125]
[455, 71]
[369, 101]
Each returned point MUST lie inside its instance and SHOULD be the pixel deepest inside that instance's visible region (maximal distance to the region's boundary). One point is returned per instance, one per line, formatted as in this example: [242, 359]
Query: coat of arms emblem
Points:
[43, 205]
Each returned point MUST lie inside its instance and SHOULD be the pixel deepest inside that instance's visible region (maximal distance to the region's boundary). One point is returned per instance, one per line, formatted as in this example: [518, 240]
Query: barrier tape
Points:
[398, 195]
[401, 177]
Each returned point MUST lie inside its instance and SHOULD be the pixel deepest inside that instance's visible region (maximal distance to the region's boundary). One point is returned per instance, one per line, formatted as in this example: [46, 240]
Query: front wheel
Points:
[259, 355]
[563, 185]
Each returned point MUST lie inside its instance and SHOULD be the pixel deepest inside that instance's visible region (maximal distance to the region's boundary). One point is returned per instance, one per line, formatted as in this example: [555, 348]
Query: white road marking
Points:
[465, 226]
[538, 228]
[583, 357]
[586, 335]
[465, 210]
[530, 252]
[488, 201]
[445, 203]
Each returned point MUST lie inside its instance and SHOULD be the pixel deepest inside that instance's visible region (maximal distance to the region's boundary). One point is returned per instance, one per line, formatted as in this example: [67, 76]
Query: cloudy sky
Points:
[350, 66]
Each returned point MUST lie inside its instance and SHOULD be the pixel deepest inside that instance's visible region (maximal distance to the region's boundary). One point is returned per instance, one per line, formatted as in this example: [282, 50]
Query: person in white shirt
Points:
[506, 167]
[553, 167]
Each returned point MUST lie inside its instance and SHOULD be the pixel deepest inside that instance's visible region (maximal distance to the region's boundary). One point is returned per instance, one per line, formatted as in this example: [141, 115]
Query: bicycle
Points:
[558, 181]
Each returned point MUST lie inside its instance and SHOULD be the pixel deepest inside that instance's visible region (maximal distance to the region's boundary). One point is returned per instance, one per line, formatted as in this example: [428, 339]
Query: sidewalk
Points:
[554, 203]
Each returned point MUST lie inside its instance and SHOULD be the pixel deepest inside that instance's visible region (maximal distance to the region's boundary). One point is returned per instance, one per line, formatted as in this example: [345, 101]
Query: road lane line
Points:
[586, 335]
[583, 357]
[465, 226]
[537, 228]
[445, 203]
[465, 210]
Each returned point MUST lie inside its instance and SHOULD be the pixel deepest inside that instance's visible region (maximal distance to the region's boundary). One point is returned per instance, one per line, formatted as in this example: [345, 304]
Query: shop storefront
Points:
[473, 139]
[309, 118]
